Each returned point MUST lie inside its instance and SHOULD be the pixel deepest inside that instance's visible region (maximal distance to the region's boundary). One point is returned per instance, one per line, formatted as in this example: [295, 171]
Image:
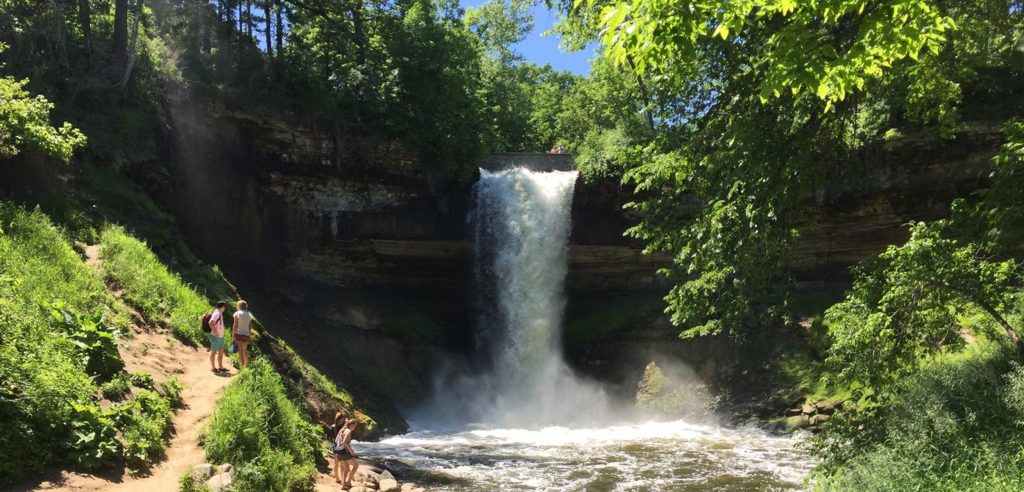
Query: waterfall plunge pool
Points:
[545, 428]
[653, 456]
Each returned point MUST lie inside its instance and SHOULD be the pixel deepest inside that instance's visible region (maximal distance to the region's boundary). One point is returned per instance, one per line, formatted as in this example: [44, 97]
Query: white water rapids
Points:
[521, 419]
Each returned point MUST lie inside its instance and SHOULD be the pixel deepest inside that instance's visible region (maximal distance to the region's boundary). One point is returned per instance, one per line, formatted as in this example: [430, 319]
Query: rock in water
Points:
[651, 385]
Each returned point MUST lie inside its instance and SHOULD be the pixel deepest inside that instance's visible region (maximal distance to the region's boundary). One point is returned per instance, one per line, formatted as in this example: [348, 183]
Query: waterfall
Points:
[520, 224]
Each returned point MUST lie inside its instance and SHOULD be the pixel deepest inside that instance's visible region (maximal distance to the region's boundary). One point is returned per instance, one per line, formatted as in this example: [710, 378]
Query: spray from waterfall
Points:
[521, 223]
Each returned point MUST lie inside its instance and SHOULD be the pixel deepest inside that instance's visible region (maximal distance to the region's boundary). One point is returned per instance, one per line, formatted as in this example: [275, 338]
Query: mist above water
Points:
[518, 418]
[520, 224]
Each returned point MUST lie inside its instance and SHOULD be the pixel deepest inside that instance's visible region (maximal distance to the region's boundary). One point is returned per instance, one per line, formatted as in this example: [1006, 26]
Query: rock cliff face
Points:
[357, 254]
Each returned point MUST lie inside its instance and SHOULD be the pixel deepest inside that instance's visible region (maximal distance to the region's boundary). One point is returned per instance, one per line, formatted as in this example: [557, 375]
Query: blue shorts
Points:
[216, 343]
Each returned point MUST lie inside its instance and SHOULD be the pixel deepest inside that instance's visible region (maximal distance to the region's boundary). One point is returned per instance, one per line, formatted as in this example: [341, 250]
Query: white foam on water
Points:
[675, 455]
[525, 421]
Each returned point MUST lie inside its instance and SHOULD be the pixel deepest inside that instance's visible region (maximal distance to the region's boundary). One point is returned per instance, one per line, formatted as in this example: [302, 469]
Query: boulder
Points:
[406, 487]
[359, 488]
[793, 411]
[820, 419]
[828, 406]
[807, 409]
[388, 485]
[202, 472]
[796, 422]
[221, 481]
[226, 468]
[386, 475]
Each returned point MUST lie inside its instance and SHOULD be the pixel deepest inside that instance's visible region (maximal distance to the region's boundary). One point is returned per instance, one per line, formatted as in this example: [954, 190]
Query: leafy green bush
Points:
[94, 339]
[117, 388]
[263, 433]
[142, 380]
[956, 425]
[171, 390]
[150, 286]
[25, 122]
[144, 422]
[92, 437]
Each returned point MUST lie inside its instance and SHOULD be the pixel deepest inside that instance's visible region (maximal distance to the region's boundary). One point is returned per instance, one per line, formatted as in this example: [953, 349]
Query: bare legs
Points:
[343, 479]
[217, 356]
[243, 353]
[352, 466]
[338, 467]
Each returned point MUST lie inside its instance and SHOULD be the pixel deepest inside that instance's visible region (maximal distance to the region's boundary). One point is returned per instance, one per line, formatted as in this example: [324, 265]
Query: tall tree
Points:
[85, 21]
[133, 45]
[119, 48]
[266, 26]
[279, 28]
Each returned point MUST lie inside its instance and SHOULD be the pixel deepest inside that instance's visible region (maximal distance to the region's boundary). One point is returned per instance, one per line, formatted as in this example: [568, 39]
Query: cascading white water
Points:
[521, 223]
[523, 420]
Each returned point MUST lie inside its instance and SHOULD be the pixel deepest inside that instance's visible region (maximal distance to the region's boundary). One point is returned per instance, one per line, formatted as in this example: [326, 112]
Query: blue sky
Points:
[544, 49]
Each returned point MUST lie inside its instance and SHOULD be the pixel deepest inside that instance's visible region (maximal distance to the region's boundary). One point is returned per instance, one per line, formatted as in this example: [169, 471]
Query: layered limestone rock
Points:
[357, 253]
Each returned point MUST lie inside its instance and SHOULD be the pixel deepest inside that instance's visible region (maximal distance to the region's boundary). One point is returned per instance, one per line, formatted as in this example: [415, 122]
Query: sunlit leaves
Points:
[905, 303]
[828, 48]
[24, 124]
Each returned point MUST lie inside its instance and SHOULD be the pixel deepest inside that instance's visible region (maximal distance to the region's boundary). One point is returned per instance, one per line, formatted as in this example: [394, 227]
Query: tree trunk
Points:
[643, 92]
[280, 25]
[85, 20]
[206, 28]
[132, 48]
[248, 18]
[266, 25]
[195, 36]
[120, 45]
[60, 34]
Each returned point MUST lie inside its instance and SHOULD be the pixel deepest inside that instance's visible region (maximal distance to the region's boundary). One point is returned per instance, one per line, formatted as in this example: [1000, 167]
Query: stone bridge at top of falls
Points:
[534, 161]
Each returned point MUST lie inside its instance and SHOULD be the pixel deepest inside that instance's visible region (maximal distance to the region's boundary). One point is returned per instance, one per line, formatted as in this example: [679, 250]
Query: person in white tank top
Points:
[241, 331]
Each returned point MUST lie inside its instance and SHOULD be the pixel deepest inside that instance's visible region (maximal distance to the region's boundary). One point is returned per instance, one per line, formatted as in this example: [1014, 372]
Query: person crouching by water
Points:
[344, 456]
[241, 333]
[216, 336]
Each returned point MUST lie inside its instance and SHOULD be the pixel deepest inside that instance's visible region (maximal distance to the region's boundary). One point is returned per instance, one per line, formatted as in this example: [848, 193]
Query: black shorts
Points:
[344, 455]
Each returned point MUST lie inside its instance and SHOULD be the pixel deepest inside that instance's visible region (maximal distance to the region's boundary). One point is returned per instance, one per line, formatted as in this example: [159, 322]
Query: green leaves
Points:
[24, 124]
[96, 341]
[905, 303]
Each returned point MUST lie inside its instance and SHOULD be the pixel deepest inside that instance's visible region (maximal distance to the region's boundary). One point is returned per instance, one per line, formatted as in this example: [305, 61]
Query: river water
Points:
[516, 417]
[668, 456]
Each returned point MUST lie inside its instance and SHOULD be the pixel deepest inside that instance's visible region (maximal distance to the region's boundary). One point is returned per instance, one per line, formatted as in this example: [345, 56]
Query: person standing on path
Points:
[240, 329]
[217, 337]
[344, 454]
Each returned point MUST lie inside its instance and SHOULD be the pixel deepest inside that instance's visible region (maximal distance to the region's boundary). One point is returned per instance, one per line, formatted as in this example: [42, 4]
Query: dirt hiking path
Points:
[157, 352]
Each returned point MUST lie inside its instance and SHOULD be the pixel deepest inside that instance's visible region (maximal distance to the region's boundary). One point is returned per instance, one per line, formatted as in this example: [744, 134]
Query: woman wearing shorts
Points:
[344, 457]
[240, 330]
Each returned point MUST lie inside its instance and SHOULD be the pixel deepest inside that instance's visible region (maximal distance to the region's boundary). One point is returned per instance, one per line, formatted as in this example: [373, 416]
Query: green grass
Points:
[263, 433]
[957, 425]
[149, 286]
[53, 333]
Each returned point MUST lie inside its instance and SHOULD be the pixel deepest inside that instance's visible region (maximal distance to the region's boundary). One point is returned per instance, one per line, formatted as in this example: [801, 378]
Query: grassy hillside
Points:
[52, 388]
[59, 330]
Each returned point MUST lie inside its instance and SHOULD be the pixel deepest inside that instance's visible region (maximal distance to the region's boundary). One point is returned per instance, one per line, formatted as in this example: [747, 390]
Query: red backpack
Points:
[206, 323]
